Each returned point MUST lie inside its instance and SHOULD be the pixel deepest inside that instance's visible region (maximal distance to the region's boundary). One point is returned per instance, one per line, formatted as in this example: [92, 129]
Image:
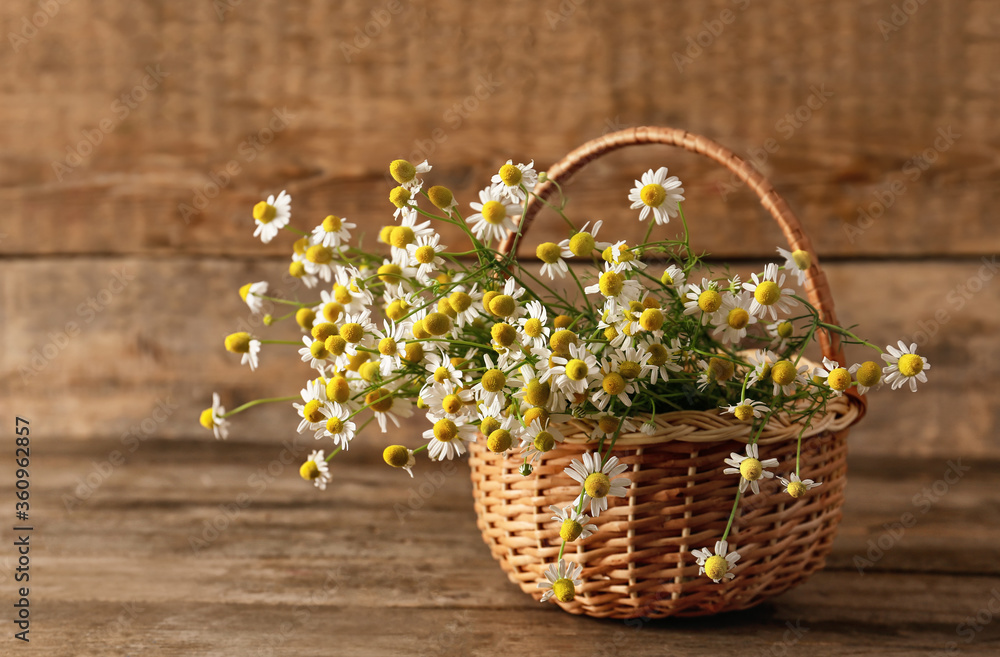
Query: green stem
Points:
[255, 402]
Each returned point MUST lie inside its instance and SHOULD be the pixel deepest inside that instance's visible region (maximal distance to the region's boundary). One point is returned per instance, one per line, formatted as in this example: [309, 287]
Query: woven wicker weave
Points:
[639, 563]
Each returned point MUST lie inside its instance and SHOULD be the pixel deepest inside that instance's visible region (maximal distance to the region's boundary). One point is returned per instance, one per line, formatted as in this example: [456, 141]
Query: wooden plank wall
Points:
[875, 119]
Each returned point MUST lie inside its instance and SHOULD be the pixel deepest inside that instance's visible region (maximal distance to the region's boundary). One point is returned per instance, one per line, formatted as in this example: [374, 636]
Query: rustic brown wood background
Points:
[126, 232]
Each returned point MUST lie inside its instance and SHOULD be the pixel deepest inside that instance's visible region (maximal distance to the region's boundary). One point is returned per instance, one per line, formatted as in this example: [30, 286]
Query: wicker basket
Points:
[639, 563]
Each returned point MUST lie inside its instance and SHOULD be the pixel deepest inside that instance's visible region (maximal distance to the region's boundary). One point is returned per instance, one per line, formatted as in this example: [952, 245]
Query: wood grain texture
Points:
[295, 570]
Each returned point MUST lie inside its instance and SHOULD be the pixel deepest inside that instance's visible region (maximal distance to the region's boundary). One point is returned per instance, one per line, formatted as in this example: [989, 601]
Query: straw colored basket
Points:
[639, 563]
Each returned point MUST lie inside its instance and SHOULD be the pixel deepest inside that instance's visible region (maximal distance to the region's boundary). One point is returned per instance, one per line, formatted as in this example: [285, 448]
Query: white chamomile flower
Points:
[405, 173]
[613, 385]
[904, 365]
[347, 292]
[424, 254]
[761, 360]
[493, 383]
[539, 438]
[251, 293]
[607, 426]
[298, 270]
[400, 457]
[662, 358]
[314, 354]
[781, 333]
[718, 565]
[404, 198]
[442, 369]
[673, 277]
[733, 318]
[657, 194]
[583, 243]
[787, 377]
[316, 470]
[572, 375]
[532, 326]
[868, 375]
[446, 400]
[391, 345]
[319, 260]
[492, 220]
[599, 482]
[551, 256]
[311, 410]
[561, 580]
[333, 232]
[747, 410]
[508, 181]
[649, 427]
[386, 406]
[619, 253]
[837, 378]
[797, 487]
[214, 418]
[715, 370]
[768, 295]
[251, 357]
[271, 216]
[467, 304]
[617, 290]
[358, 330]
[573, 525]
[704, 299]
[632, 363]
[798, 262]
[750, 468]
[448, 437]
[337, 425]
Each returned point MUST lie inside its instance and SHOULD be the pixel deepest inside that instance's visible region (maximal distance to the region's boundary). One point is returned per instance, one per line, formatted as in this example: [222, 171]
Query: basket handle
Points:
[817, 288]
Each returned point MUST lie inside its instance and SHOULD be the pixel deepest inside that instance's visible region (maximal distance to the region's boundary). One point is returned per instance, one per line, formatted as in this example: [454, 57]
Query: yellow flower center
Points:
[387, 347]
[312, 412]
[342, 294]
[319, 254]
[503, 305]
[611, 283]
[309, 470]
[537, 393]
[206, 419]
[653, 195]
[716, 567]
[783, 372]
[720, 370]
[414, 352]
[318, 350]
[510, 175]
[629, 369]
[445, 430]
[494, 212]
[336, 345]
[379, 400]
[548, 252]
[839, 379]
[488, 425]
[709, 301]
[499, 441]
[570, 530]
[536, 413]
[576, 369]
[332, 224]
[503, 334]
[651, 319]
[751, 469]
[396, 455]
[332, 311]
[607, 424]
[597, 485]
[451, 403]
[494, 381]
[402, 171]
[441, 374]
[424, 254]
[667, 279]
[561, 341]
[338, 389]
[613, 383]
[335, 425]
[582, 244]
[869, 374]
[533, 328]
[437, 323]
[658, 354]
[352, 332]
[563, 590]
[401, 236]
[460, 301]
[544, 441]
[264, 212]
[743, 412]
[802, 259]
[384, 233]
[796, 488]
[441, 197]
[238, 343]
[767, 293]
[297, 269]
[418, 330]
[785, 330]
[399, 196]
[738, 318]
[910, 364]
[304, 317]
[244, 291]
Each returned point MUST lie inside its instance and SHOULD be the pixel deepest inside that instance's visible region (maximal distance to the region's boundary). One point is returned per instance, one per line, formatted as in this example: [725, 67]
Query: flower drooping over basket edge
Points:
[489, 348]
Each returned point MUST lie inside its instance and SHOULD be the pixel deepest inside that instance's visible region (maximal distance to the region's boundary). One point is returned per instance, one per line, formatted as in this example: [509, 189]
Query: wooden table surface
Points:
[210, 548]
